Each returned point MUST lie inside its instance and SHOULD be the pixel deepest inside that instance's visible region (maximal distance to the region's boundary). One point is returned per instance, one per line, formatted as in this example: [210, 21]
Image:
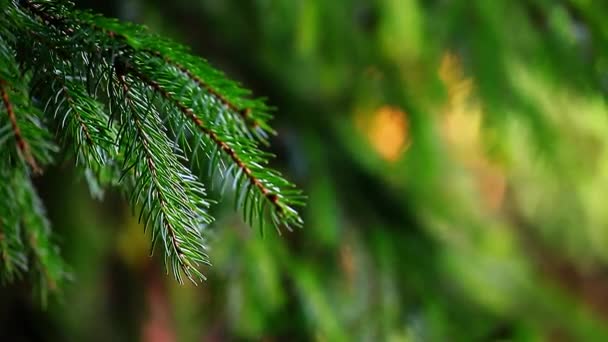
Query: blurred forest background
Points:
[455, 158]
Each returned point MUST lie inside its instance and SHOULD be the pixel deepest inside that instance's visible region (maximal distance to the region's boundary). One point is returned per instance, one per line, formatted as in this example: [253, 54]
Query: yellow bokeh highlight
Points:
[461, 130]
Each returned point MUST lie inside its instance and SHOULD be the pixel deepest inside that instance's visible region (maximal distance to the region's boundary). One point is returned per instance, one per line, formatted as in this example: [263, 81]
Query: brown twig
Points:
[22, 145]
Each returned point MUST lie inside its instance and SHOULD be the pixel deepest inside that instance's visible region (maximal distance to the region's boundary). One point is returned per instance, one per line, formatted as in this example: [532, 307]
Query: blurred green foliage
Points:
[454, 155]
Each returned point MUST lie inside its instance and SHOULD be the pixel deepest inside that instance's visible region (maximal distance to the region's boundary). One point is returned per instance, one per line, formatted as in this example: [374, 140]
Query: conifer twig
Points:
[178, 207]
[153, 172]
[189, 113]
[244, 112]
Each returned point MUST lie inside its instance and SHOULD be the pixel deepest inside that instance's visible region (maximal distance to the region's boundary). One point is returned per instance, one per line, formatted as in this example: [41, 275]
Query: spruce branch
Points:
[242, 160]
[139, 112]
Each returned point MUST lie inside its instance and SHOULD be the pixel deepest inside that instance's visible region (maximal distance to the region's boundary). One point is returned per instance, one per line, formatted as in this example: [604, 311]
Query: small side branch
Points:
[229, 151]
[182, 259]
[245, 113]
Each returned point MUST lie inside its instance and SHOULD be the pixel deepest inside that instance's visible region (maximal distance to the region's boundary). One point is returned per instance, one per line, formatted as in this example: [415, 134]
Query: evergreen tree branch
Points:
[25, 245]
[258, 184]
[130, 37]
[172, 201]
[159, 105]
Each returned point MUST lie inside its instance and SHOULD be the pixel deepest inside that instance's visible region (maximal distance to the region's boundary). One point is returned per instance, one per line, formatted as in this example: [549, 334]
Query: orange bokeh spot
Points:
[388, 132]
